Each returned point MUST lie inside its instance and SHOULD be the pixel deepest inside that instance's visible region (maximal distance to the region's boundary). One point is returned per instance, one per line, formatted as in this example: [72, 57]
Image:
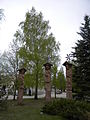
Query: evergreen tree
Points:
[81, 73]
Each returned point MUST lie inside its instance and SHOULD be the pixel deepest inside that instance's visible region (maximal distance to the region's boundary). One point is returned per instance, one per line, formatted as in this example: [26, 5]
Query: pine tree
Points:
[81, 74]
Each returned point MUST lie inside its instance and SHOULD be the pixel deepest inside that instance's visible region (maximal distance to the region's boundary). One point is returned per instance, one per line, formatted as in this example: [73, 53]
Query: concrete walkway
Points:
[63, 95]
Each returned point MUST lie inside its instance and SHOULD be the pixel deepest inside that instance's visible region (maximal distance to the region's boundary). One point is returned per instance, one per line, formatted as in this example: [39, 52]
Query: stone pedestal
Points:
[69, 79]
[48, 81]
[21, 85]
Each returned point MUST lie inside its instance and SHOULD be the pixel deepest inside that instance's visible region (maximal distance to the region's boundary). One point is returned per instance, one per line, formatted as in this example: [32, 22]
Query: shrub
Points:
[70, 109]
[3, 105]
[3, 100]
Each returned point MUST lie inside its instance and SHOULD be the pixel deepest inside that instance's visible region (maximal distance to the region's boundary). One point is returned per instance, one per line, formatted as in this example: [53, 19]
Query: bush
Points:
[3, 100]
[70, 109]
[3, 105]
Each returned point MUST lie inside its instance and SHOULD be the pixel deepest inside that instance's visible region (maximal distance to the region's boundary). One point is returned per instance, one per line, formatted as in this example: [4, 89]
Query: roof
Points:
[67, 63]
[22, 69]
[47, 64]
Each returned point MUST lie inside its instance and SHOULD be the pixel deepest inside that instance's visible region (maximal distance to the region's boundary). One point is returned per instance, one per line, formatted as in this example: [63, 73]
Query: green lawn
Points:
[29, 111]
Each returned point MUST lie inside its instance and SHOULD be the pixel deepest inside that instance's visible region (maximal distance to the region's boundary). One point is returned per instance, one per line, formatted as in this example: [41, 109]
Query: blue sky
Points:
[65, 17]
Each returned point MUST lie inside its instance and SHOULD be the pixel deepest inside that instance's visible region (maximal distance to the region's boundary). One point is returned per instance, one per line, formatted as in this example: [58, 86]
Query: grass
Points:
[30, 110]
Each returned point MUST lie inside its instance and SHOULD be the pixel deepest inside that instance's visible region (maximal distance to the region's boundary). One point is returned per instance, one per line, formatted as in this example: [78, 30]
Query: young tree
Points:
[38, 45]
[11, 62]
[14, 61]
[81, 74]
[5, 82]
[61, 84]
[54, 78]
[58, 79]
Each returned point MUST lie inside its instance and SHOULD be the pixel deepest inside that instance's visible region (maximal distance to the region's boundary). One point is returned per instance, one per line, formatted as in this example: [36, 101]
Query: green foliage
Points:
[70, 109]
[3, 99]
[81, 55]
[3, 105]
[58, 78]
[54, 76]
[9, 64]
[37, 46]
[29, 80]
[61, 80]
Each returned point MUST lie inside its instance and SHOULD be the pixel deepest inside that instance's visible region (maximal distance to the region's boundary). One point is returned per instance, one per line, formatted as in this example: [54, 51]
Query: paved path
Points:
[63, 95]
